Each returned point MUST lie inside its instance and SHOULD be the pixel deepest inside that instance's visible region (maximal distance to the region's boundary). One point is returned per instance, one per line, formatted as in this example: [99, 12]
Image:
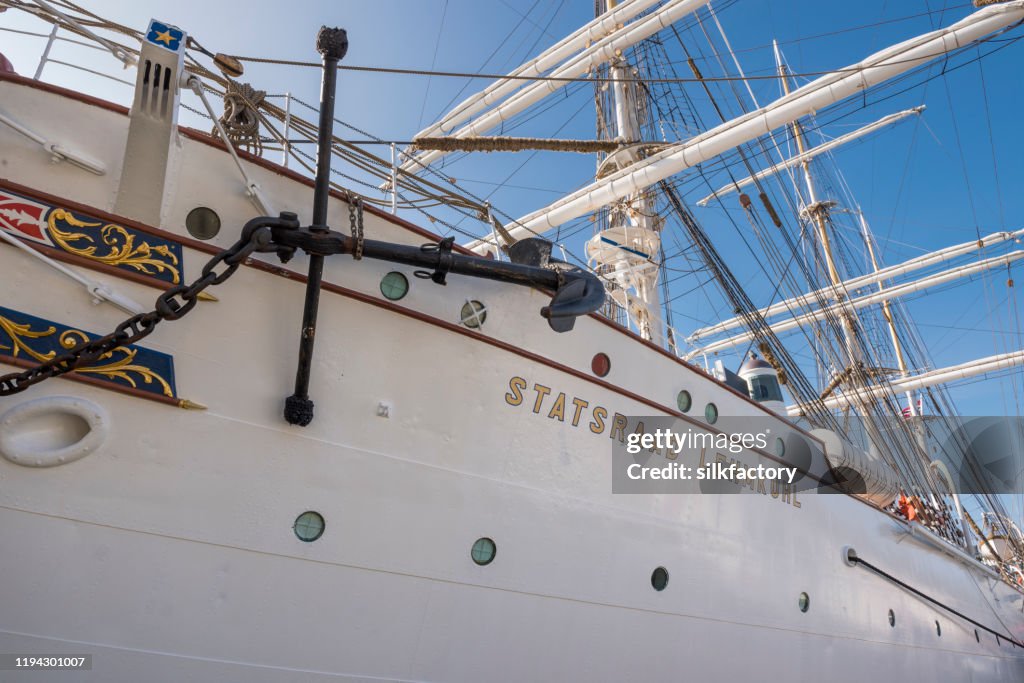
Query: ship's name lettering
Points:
[579, 412]
[574, 410]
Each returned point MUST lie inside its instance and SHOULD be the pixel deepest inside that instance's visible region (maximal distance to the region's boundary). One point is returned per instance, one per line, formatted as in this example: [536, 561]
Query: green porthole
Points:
[473, 314]
[394, 286]
[659, 579]
[711, 413]
[804, 603]
[309, 526]
[780, 447]
[684, 401]
[483, 551]
[203, 223]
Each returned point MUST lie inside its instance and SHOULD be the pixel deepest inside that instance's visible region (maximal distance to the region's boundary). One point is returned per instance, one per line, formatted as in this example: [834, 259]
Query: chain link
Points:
[355, 219]
[173, 304]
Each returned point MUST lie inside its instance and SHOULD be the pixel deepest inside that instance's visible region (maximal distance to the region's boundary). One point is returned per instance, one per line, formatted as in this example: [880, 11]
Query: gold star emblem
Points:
[165, 37]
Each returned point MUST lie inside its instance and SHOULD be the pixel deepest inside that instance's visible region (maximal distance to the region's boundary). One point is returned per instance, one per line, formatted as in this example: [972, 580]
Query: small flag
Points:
[907, 413]
[165, 36]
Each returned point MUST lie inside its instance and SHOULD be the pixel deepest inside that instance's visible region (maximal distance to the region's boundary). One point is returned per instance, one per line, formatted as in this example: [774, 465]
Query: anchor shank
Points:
[332, 43]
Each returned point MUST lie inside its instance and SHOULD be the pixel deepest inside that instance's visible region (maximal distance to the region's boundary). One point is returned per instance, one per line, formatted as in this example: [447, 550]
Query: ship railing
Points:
[293, 133]
[53, 37]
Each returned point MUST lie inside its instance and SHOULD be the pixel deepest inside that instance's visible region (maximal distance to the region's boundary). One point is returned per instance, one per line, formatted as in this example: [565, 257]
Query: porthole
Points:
[394, 285]
[309, 526]
[684, 401]
[892, 619]
[202, 223]
[483, 551]
[601, 364]
[473, 314]
[711, 413]
[780, 447]
[804, 602]
[659, 579]
[977, 638]
[938, 629]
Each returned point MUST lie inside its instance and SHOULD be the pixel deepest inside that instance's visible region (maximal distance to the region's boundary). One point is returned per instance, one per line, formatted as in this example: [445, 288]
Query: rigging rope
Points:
[610, 79]
[506, 144]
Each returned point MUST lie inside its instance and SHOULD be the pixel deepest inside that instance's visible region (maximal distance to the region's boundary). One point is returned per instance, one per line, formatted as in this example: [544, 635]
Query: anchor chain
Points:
[577, 292]
[173, 304]
[355, 219]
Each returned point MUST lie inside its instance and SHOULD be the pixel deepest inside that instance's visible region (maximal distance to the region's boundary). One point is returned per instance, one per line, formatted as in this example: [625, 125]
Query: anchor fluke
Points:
[578, 292]
[581, 294]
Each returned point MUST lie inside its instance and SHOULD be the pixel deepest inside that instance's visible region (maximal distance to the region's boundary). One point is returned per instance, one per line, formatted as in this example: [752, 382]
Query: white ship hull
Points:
[168, 554]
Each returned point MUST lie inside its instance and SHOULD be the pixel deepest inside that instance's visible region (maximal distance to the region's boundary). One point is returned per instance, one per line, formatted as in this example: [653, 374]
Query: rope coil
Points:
[241, 117]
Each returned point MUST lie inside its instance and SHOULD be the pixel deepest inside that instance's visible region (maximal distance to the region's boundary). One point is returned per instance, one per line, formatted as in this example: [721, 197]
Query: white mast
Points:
[626, 251]
[816, 212]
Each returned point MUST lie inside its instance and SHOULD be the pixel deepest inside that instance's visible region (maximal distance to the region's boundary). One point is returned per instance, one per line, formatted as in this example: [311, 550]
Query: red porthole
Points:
[601, 365]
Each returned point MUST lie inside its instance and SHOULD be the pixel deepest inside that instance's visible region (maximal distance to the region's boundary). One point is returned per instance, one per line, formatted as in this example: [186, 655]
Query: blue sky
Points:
[923, 184]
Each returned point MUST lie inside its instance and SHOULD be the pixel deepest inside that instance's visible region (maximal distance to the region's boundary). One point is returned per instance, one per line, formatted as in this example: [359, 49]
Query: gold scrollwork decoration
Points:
[123, 250]
[19, 333]
[121, 363]
[120, 368]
